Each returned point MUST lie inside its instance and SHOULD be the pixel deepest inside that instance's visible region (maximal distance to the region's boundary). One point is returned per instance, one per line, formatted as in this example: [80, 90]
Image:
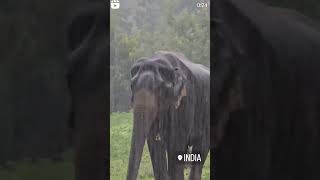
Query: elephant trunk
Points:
[137, 144]
[144, 115]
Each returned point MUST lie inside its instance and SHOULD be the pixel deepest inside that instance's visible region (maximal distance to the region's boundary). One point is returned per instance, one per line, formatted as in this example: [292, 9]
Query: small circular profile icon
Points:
[179, 157]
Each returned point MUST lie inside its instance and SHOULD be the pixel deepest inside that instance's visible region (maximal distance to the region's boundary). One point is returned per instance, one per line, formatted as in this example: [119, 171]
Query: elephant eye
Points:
[134, 70]
[166, 73]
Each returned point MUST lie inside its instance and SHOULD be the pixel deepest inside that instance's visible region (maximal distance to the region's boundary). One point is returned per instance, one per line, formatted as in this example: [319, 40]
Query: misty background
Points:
[141, 27]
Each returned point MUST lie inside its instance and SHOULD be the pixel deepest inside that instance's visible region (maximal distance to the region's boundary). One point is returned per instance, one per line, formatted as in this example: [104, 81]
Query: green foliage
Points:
[120, 141]
[152, 26]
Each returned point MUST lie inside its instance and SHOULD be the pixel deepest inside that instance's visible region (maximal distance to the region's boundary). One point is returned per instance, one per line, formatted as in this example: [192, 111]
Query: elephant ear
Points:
[238, 44]
[179, 89]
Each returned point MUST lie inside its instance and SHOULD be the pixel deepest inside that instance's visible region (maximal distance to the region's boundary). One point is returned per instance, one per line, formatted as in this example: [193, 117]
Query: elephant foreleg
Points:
[157, 151]
[200, 145]
[90, 138]
[175, 168]
[196, 169]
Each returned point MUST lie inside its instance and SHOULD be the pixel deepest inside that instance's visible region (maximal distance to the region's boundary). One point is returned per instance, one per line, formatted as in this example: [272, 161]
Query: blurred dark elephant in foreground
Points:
[170, 97]
[36, 123]
[87, 76]
[266, 96]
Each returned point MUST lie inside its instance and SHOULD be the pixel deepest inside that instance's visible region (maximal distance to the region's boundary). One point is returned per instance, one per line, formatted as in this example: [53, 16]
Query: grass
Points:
[120, 140]
[42, 170]
[120, 134]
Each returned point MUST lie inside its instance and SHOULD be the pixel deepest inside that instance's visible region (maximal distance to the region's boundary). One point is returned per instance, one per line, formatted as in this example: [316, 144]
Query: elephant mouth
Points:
[144, 99]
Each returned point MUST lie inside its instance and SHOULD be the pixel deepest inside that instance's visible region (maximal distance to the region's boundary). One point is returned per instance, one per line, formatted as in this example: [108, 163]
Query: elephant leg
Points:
[90, 138]
[196, 169]
[157, 151]
[89, 160]
[175, 168]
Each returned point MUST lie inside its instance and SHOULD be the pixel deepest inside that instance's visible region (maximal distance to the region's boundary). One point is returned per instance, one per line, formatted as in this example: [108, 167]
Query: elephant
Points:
[265, 92]
[170, 99]
[72, 100]
[86, 72]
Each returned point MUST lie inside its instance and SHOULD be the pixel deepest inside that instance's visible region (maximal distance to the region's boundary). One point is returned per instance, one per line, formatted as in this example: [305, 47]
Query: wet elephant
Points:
[170, 97]
[266, 62]
[73, 93]
[86, 38]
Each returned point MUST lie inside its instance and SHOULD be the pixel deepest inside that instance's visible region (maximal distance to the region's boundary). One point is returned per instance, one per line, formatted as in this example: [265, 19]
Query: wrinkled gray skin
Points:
[270, 57]
[227, 77]
[87, 79]
[170, 97]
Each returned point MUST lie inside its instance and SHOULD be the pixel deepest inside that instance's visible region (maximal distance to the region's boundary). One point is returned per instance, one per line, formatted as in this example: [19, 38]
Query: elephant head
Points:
[271, 52]
[246, 46]
[233, 43]
[156, 86]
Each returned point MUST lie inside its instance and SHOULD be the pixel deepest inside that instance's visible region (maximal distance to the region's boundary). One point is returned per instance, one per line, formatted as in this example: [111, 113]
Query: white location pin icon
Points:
[179, 157]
